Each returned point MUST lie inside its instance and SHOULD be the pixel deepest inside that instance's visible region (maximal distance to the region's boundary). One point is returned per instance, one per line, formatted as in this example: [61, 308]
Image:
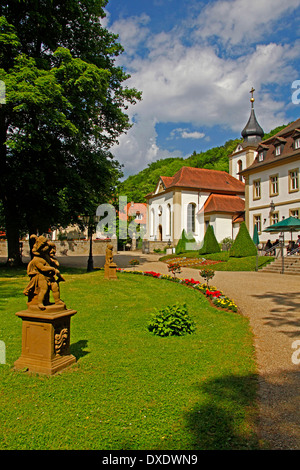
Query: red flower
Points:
[215, 293]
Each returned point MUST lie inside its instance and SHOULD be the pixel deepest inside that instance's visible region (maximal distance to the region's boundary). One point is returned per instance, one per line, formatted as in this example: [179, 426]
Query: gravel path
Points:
[272, 304]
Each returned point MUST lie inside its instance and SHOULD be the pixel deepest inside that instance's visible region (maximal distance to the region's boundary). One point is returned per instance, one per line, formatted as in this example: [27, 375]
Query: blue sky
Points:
[195, 62]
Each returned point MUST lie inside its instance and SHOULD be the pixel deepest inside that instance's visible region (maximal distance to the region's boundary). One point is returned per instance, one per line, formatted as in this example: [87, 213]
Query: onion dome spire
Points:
[252, 132]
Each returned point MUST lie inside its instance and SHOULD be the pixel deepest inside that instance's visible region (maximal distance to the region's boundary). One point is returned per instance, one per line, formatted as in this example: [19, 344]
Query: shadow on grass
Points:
[7, 271]
[220, 423]
[77, 349]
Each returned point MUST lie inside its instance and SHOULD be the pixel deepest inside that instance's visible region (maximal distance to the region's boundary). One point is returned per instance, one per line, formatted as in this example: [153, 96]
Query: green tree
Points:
[243, 245]
[65, 107]
[210, 243]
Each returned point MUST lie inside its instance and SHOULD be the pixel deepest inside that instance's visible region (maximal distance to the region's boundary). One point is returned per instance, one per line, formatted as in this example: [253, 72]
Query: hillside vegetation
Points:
[135, 187]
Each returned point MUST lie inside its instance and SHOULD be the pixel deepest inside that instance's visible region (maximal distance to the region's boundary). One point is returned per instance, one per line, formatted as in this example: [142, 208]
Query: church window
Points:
[191, 213]
[168, 220]
[152, 222]
[239, 169]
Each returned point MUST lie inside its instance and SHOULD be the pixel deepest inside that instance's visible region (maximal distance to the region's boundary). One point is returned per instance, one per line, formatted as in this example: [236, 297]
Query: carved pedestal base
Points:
[110, 271]
[45, 340]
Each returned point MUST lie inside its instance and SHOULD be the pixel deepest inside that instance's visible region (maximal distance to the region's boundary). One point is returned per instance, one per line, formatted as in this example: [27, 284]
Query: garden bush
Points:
[210, 244]
[171, 321]
[243, 245]
[185, 243]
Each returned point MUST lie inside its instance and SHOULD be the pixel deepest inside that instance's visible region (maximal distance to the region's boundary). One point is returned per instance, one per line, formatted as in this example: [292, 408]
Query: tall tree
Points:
[65, 106]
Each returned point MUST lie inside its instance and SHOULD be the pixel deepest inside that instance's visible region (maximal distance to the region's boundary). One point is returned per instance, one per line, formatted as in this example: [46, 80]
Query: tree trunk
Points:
[13, 238]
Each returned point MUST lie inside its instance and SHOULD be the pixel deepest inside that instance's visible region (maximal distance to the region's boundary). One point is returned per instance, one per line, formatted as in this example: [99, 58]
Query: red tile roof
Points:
[167, 180]
[204, 179]
[132, 209]
[223, 203]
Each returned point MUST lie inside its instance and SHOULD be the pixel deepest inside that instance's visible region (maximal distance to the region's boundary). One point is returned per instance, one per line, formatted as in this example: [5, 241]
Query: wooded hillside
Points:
[135, 187]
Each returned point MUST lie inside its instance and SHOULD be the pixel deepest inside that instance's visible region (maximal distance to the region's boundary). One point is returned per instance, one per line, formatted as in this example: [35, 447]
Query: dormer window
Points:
[261, 156]
[262, 150]
[279, 144]
[296, 137]
[278, 150]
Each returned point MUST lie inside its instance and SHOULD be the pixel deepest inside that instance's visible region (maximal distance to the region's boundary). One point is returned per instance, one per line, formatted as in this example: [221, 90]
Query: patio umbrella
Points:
[255, 235]
[291, 224]
[256, 241]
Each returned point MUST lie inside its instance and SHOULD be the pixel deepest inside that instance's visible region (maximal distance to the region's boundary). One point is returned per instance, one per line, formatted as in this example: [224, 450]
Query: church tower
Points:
[245, 153]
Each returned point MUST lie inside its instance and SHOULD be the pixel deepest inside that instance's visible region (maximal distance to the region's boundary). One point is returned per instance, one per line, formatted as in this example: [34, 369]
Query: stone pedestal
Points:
[110, 271]
[45, 340]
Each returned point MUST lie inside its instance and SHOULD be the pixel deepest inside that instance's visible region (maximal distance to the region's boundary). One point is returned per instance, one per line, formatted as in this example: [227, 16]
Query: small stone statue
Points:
[110, 267]
[44, 275]
[109, 254]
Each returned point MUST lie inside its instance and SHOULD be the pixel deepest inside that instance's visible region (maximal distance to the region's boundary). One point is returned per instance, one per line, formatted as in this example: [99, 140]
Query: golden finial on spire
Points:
[252, 91]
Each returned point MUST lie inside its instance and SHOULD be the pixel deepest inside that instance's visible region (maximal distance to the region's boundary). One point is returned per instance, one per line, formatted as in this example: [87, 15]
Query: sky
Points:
[195, 63]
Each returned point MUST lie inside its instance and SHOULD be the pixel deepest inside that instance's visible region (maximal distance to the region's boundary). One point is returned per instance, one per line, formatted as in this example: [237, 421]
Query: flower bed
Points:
[183, 261]
[217, 298]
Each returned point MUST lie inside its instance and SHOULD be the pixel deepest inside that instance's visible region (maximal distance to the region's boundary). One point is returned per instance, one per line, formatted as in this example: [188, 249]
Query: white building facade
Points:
[192, 199]
[272, 181]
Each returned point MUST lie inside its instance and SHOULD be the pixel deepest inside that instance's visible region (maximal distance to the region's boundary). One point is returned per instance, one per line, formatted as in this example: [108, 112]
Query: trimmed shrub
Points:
[184, 244]
[243, 245]
[210, 244]
[171, 321]
[207, 274]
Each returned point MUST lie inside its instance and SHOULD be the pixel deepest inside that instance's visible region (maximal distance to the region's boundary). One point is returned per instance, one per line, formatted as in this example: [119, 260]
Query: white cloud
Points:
[236, 21]
[132, 31]
[138, 147]
[185, 134]
[195, 84]
[192, 135]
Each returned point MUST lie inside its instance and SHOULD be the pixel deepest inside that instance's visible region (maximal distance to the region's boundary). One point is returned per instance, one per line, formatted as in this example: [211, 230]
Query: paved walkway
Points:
[272, 304]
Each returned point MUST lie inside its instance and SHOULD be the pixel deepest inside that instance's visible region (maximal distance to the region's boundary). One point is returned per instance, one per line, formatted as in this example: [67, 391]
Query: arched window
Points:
[191, 216]
[152, 221]
[240, 168]
[168, 220]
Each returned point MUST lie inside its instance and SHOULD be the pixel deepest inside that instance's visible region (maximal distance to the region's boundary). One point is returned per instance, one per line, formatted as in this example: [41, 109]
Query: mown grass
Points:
[129, 388]
[247, 263]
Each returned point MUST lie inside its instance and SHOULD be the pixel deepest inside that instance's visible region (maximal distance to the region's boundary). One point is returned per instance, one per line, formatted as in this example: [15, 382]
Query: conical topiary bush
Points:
[210, 243]
[243, 245]
[185, 243]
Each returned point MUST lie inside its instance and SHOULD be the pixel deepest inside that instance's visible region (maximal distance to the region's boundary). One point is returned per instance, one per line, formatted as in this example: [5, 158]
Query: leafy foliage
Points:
[185, 243]
[210, 244]
[207, 274]
[65, 107]
[172, 321]
[243, 244]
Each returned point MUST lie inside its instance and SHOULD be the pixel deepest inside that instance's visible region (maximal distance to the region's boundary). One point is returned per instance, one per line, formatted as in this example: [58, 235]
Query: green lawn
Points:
[129, 388]
[228, 264]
